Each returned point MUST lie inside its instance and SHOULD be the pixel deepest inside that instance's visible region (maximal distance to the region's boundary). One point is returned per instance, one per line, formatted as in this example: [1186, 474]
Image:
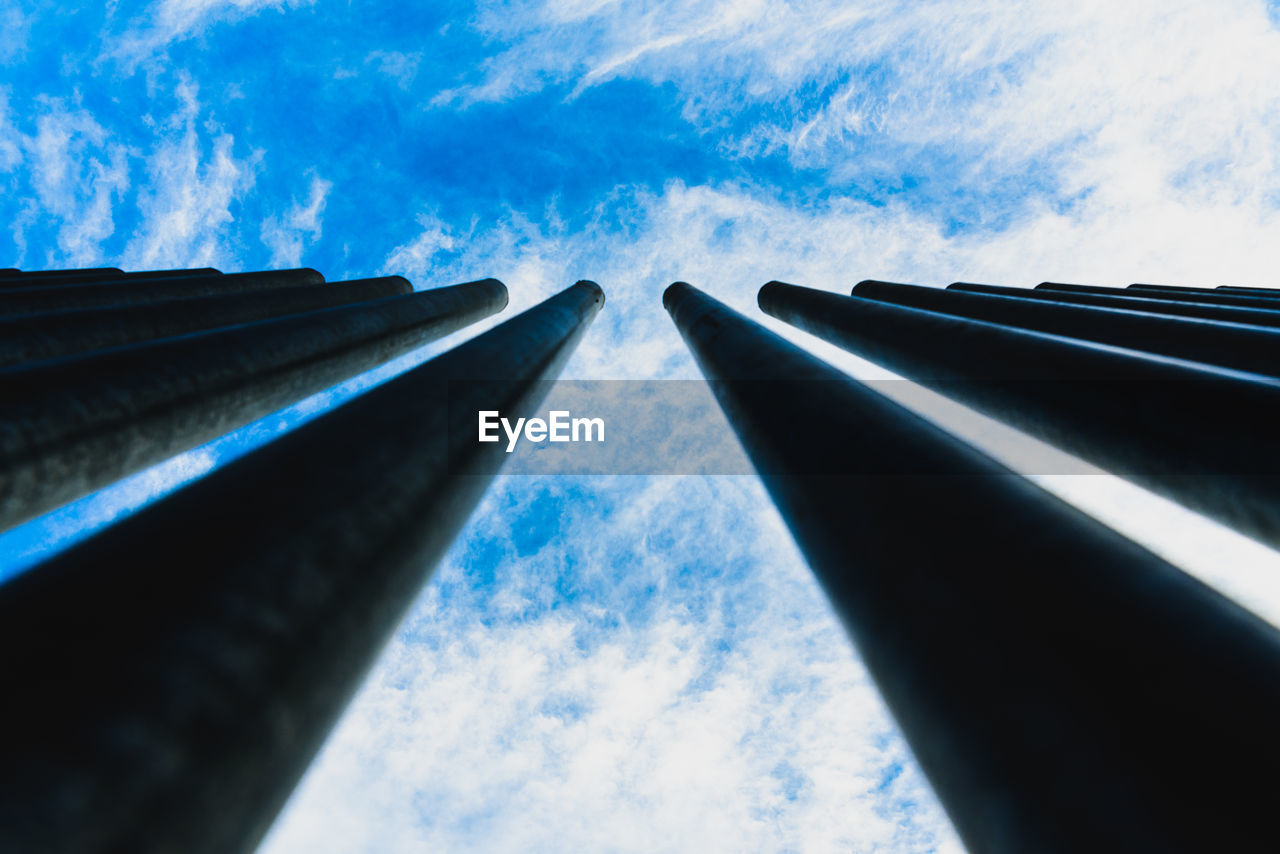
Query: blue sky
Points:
[641, 663]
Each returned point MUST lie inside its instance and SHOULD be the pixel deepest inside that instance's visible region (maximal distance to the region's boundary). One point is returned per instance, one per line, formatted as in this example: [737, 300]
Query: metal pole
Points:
[82, 272]
[31, 300]
[1064, 689]
[1231, 345]
[169, 679]
[31, 337]
[1233, 289]
[1214, 291]
[1208, 311]
[1201, 295]
[73, 425]
[112, 276]
[1140, 416]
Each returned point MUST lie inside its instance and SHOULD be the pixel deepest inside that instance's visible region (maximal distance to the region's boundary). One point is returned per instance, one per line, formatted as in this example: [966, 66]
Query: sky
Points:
[641, 663]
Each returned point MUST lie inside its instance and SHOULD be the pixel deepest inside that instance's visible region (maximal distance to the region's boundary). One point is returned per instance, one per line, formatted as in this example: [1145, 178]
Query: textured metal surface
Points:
[1134, 302]
[1233, 289]
[30, 337]
[170, 678]
[1232, 345]
[128, 292]
[73, 425]
[1218, 290]
[1064, 689]
[14, 274]
[1142, 417]
[1201, 295]
[50, 278]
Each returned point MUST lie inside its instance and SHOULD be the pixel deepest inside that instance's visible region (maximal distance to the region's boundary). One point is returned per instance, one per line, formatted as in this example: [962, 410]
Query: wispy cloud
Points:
[289, 235]
[170, 21]
[675, 684]
[77, 173]
[193, 184]
[1138, 97]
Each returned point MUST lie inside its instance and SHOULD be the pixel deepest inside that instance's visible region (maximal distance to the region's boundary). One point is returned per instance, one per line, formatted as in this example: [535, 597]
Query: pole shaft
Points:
[1143, 417]
[111, 275]
[32, 337]
[1041, 729]
[172, 676]
[102, 294]
[1232, 345]
[73, 425]
[1201, 295]
[1210, 311]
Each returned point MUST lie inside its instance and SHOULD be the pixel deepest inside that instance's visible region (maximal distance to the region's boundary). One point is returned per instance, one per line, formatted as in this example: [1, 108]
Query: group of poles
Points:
[1063, 688]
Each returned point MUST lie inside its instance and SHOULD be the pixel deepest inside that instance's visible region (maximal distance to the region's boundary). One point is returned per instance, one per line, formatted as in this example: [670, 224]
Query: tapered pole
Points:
[170, 678]
[1233, 345]
[110, 275]
[1201, 295]
[1038, 662]
[73, 425]
[14, 274]
[1208, 311]
[1237, 289]
[1214, 291]
[1144, 417]
[64, 297]
[31, 337]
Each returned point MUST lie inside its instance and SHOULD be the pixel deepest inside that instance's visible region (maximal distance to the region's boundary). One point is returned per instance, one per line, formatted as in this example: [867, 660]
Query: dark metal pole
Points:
[70, 426]
[31, 337]
[1234, 289]
[82, 272]
[111, 276]
[1214, 291]
[1064, 689]
[1140, 416]
[1201, 295]
[102, 294]
[1208, 311]
[169, 679]
[1232, 345]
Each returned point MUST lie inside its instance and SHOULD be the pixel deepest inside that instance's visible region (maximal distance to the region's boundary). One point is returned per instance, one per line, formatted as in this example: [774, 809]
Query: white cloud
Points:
[169, 21]
[15, 23]
[76, 175]
[1136, 99]
[186, 208]
[582, 727]
[289, 236]
[398, 66]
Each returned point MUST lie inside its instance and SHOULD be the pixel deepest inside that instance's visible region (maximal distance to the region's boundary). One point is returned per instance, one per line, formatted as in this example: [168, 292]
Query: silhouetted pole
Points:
[1232, 345]
[1208, 311]
[169, 679]
[51, 278]
[102, 294]
[1175, 288]
[30, 337]
[1234, 289]
[13, 273]
[1214, 291]
[1041, 666]
[1201, 295]
[1144, 417]
[73, 425]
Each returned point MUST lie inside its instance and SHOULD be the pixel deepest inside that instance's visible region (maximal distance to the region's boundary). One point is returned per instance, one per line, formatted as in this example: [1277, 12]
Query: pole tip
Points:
[674, 291]
[587, 283]
[767, 289]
